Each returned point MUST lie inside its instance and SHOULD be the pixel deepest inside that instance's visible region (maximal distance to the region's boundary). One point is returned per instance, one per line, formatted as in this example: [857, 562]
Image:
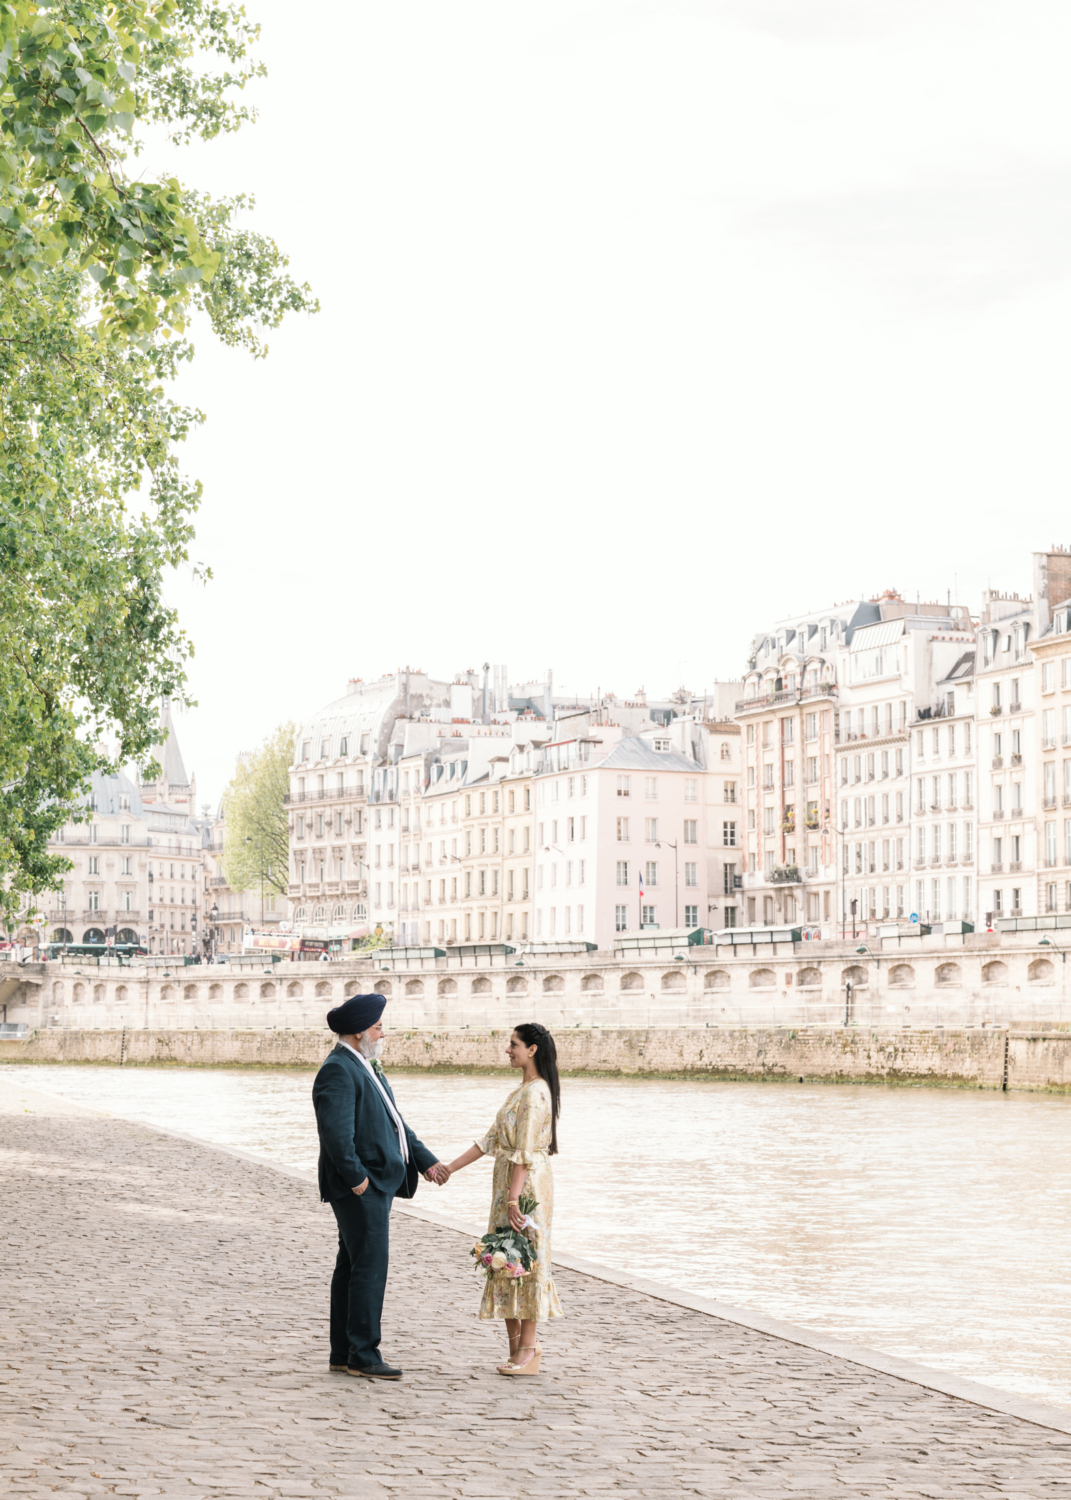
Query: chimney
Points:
[1052, 583]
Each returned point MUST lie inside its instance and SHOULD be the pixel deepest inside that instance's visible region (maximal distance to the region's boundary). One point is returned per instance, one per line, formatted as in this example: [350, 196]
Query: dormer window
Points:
[661, 745]
[323, 749]
[306, 749]
[344, 746]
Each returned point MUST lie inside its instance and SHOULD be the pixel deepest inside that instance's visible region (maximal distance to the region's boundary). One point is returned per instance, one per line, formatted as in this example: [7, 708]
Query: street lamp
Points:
[676, 880]
[1047, 942]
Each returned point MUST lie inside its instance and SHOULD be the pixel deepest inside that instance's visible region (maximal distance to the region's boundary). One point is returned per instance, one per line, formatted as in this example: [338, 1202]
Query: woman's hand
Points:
[439, 1173]
[516, 1218]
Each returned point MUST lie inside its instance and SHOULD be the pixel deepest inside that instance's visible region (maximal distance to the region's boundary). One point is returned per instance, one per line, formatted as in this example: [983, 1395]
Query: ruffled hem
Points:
[513, 1299]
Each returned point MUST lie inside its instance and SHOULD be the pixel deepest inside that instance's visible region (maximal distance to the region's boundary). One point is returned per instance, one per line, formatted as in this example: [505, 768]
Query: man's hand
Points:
[360, 1190]
[439, 1174]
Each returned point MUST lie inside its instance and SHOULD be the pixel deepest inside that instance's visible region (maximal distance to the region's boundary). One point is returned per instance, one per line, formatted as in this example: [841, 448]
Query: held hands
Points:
[439, 1174]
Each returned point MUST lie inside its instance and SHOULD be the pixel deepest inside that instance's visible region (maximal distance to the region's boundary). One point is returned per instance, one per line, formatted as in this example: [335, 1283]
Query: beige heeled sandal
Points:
[530, 1367]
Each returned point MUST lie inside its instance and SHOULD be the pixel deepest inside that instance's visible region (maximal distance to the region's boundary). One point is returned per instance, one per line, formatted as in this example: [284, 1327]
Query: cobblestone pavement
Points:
[164, 1333]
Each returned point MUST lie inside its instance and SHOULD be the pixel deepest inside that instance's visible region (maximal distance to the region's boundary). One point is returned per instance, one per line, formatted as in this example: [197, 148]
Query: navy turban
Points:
[356, 1014]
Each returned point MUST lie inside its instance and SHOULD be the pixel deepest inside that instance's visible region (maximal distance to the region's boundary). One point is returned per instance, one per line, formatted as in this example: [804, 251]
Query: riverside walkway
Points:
[163, 1332]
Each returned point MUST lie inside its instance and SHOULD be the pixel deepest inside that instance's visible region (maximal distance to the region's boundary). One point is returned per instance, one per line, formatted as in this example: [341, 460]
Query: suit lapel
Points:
[362, 1073]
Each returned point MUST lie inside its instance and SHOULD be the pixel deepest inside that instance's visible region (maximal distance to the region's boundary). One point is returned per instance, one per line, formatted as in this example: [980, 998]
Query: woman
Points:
[522, 1140]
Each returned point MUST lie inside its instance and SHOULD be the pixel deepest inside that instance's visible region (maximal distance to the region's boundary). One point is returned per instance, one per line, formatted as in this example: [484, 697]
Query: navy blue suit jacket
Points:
[358, 1138]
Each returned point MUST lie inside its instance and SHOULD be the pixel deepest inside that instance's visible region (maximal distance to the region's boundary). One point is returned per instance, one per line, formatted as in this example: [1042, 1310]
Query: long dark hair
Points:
[546, 1062]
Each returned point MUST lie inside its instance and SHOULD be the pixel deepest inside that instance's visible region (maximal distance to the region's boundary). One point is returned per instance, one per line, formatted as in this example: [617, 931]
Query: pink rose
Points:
[485, 1260]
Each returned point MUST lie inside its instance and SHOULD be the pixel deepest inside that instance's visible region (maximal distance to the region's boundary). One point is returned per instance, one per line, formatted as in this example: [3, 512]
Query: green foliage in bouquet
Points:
[507, 1251]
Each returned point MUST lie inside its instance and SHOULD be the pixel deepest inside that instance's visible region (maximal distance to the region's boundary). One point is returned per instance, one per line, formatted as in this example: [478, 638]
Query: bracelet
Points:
[513, 1203]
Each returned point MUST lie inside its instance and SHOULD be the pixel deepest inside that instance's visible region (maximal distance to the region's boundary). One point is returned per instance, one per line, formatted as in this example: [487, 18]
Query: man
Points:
[368, 1157]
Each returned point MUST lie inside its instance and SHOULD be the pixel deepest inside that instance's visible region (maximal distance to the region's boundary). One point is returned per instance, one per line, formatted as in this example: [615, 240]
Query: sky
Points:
[644, 324]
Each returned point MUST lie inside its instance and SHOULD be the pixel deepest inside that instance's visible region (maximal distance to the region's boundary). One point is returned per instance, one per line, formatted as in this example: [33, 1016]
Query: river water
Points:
[934, 1224]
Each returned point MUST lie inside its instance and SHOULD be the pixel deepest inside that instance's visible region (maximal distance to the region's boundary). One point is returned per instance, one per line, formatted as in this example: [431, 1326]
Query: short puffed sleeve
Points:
[531, 1137]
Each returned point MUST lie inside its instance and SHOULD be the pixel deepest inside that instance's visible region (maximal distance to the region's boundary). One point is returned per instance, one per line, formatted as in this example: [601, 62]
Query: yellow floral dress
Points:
[521, 1134]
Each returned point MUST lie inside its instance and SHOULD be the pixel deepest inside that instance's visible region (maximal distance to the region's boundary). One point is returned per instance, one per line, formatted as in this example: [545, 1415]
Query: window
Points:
[691, 916]
[624, 786]
[620, 918]
[650, 830]
[730, 792]
[728, 833]
[622, 830]
[650, 872]
[126, 864]
[1048, 676]
[570, 830]
[691, 789]
[650, 788]
[788, 730]
[790, 773]
[622, 872]
[343, 746]
[811, 726]
[662, 746]
[94, 901]
[125, 833]
[767, 821]
[648, 912]
[691, 873]
[691, 830]
[767, 776]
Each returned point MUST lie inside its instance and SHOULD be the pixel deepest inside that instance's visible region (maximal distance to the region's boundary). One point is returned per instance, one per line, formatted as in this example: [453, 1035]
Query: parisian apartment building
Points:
[883, 759]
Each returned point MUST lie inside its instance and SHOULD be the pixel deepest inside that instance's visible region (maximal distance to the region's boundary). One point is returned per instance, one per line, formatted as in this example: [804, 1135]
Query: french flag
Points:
[641, 885]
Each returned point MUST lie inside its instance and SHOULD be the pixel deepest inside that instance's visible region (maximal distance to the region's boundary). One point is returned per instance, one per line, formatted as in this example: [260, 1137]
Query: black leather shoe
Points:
[380, 1371]
[338, 1369]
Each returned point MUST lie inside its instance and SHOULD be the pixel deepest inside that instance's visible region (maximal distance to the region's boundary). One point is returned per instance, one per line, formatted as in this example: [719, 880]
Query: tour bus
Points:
[95, 950]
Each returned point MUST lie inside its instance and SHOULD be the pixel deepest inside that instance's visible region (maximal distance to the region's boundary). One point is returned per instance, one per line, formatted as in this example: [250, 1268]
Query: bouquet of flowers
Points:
[508, 1251]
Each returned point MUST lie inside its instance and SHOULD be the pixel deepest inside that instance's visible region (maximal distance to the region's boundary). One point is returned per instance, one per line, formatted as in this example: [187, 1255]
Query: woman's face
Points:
[518, 1053]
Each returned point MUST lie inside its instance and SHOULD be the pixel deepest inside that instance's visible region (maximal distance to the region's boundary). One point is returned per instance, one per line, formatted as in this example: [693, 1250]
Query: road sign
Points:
[914, 916]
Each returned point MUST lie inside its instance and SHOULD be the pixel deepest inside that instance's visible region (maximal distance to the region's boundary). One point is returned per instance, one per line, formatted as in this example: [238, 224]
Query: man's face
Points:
[370, 1043]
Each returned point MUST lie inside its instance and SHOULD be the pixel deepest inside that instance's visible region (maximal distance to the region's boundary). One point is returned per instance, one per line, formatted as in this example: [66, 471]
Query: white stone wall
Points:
[931, 981]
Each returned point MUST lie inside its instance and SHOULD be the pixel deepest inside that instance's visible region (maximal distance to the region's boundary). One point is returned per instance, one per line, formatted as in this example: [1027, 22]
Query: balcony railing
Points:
[786, 695]
[329, 794]
[1049, 801]
[1016, 760]
[998, 812]
[998, 761]
[1016, 865]
[786, 875]
[1015, 708]
[996, 868]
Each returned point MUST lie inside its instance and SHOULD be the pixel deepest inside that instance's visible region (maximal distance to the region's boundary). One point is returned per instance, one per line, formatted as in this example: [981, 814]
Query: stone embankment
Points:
[1017, 980]
[182, 1351]
[980, 1058]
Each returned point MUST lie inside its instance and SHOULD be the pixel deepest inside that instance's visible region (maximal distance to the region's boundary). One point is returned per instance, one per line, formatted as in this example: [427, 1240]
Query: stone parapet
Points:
[1012, 980]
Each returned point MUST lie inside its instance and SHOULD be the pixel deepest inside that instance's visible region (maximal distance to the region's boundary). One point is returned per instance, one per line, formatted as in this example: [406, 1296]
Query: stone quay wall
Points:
[977, 1058]
[1011, 980]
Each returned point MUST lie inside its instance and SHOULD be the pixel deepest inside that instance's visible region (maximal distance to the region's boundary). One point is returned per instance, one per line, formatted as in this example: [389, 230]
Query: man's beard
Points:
[370, 1049]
